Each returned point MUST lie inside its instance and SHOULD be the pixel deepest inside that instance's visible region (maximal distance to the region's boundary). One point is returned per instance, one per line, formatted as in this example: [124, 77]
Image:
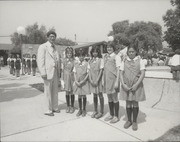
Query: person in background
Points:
[17, 65]
[2, 61]
[48, 61]
[81, 83]
[34, 64]
[111, 81]
[24, 64]
[28, 63]
[174, 63]
[8, 60]
[68, 78]
[132, 72]
[95, 78]
[12, 64]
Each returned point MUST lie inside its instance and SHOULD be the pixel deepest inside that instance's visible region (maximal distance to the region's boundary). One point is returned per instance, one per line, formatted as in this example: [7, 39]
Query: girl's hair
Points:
[34, 56]
[135, 47]
[111, 44]
[81, 52]
[97, 49]
[69, 49]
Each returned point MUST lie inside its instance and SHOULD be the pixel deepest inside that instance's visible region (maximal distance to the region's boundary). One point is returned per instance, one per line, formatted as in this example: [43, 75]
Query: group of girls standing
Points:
[109, 74]
[27, 63]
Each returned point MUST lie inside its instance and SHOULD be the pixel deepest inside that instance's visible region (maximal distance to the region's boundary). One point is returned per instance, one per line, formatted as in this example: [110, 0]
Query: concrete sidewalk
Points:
[22, 117]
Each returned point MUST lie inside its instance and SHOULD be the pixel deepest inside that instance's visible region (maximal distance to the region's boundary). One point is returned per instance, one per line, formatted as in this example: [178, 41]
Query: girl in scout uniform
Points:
[34, 64]
[81, 84]
[95, 78]
[12, 65]
[68, 78]
[132, 74]
[111, 81]
[17, 65]
[28, 63]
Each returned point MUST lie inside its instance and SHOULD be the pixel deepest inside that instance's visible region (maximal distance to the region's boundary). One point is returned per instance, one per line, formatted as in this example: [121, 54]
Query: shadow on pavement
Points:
[4, 86]
[10, 95]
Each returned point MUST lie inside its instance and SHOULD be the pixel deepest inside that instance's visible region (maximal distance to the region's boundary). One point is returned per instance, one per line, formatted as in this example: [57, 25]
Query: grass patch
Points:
[40, 87]
[171, 135]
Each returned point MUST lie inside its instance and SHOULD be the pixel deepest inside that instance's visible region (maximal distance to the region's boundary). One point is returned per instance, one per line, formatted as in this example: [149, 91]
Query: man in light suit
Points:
[48, 61]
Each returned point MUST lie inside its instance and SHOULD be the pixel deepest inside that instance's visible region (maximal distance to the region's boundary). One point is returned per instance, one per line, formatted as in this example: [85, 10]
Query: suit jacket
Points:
[48, 60]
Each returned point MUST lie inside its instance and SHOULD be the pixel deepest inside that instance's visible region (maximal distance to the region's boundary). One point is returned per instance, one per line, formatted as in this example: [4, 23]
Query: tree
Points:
[36, 34]
[147, 36]
[172, 22]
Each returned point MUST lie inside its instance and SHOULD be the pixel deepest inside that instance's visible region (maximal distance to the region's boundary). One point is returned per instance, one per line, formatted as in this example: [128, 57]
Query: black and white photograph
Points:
[89, 70]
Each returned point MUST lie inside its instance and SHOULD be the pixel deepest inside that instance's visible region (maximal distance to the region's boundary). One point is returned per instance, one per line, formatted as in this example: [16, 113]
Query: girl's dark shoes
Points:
[79, 113]
[83, 113]
[68, 110]
[99, 115]
[94, 114]
[127, 124]
[72, 109]
[108, 118]
[114, 120]
[134, 126]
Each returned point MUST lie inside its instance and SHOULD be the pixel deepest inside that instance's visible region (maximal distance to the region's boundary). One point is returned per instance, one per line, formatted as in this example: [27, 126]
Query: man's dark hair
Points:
[51, 32]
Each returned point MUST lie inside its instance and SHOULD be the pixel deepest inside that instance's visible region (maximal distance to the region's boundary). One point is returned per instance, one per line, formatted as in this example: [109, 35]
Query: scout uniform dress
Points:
[34, 66]
[68, 75]
[96, 65]
[132, 70]
[28, 63]
[12, 69]
[111, 62]
[81, 70]
[18, 66]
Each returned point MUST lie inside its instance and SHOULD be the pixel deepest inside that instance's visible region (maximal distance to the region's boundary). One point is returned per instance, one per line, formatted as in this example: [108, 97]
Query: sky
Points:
[90, 20]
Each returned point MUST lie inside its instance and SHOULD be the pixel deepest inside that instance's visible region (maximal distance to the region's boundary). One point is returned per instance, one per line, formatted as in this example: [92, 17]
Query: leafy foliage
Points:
[36, 34]
[146, 35]
[172, 22]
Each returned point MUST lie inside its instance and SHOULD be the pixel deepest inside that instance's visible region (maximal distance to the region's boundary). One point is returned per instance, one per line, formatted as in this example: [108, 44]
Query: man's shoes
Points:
[114, 120]
[49, 113]
[127, 124]
[108, 118]
[134, 126]
[56, 111]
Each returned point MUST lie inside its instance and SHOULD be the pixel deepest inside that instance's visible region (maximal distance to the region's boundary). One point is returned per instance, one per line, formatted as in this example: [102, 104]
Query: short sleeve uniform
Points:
[18, 64]
[96, 64]
[68, 75]
[131, 73]
[81, 70]
[111, 63]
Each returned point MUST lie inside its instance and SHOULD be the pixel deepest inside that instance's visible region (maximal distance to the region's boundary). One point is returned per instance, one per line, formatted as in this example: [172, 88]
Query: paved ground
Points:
[22, 110]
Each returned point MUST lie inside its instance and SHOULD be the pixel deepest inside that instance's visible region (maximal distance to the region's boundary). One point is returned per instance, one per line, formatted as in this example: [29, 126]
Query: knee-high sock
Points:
[102, 105]
[116, 109]
[67, 100]
[84, 103]
[80, 103]
[129, 113]
[135, 113]
[72, 100]
[111, 108]
[95, 103]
